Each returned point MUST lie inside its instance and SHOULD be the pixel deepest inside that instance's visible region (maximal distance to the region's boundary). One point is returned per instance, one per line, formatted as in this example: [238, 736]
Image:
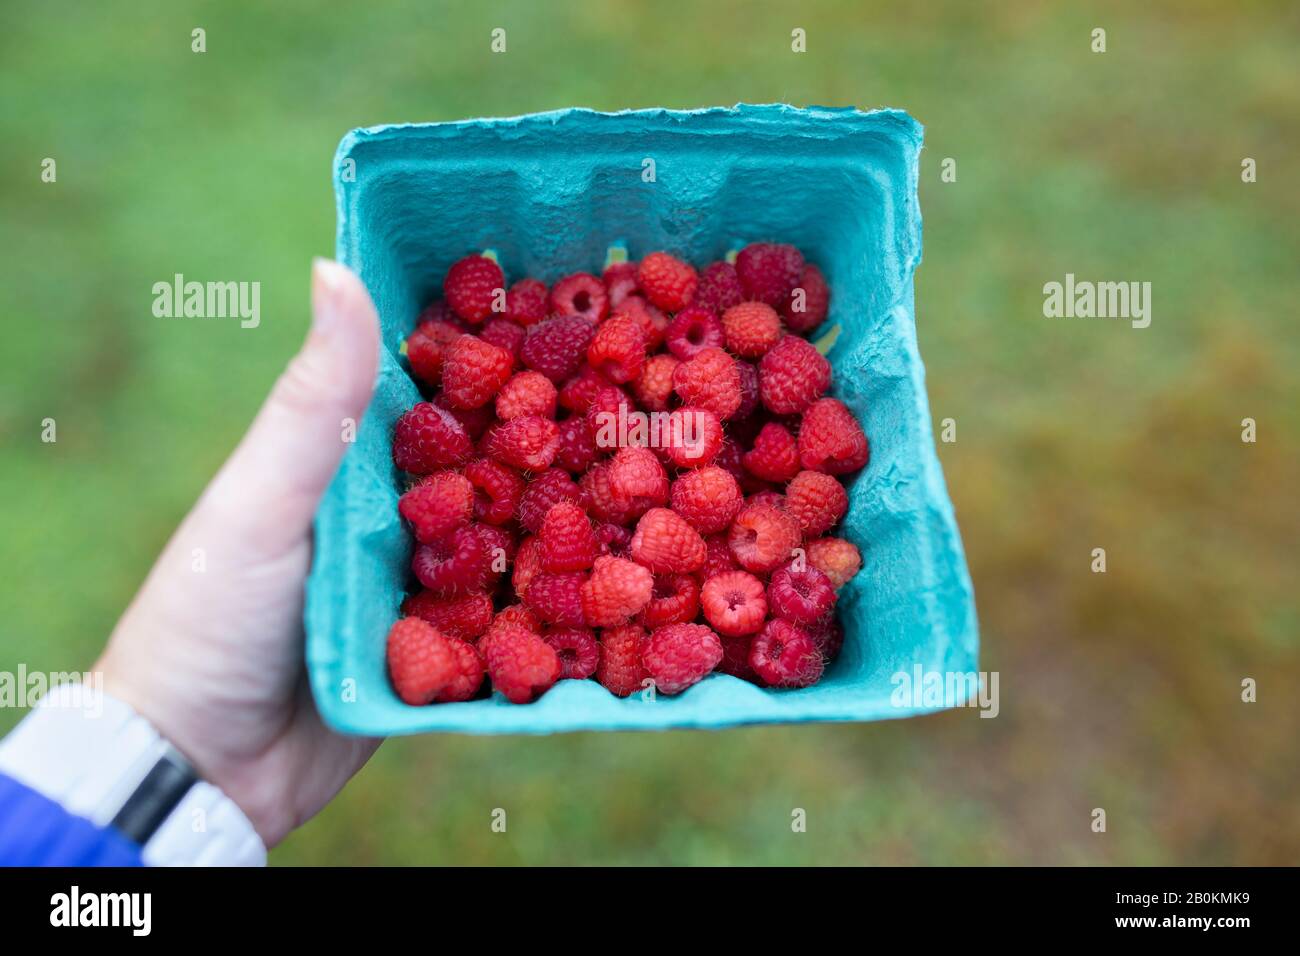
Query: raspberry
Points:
[577, 393]
[526, 302]
[620, 281]
[836, 558]
[762, 537]
[729, 459]
[717, 557]
[459, 563]
[735, 658]
[615, 592]
[519, 615]
[578, 651]
[528, 562]
[817, 501]
[675, 600]
[545, 490]
[666, 544]
[653, 322]
[614, 539]
[734, 603]
[577, 449]
[719, 288]
[528, 443]
[557, 346]
[801, 596]
[831, 440]
[668, 282]
[804, 316]
[428, 667]
[654, 387]
[438, 505]
[463, 616]
[748, 391]
[680, 655]
[608, 411]
[580, 294]
[505, 335]
[792, 375]
[620, 669]
[828, 634]
[767, 497]
[707, 498]
[568, 541]
[751, 328]
[474, 371]
[775, 455]
[527, 393]
[637, 481]
[475, 421]
[501, 546]
[522, 665]
[557, 597]
[768, 271]
[497, 490]
[694, 437]
[471, 287]
[784, 655]
[692, 330]
[618, 350]
[709, 380]
[426, 348]
[428, 438]
[604, 504]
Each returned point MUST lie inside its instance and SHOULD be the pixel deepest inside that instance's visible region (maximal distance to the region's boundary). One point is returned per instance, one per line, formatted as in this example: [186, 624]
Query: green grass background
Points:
[1119, 690]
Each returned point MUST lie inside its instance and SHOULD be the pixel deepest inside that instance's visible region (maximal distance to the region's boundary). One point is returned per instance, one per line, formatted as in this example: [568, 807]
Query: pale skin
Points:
[214, 658]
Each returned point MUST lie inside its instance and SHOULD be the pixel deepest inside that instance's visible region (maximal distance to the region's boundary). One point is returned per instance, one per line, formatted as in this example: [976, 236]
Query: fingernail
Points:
[327, 279]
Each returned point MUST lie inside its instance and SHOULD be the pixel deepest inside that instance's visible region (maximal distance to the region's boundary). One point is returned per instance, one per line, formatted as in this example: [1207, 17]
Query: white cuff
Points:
[89, 752]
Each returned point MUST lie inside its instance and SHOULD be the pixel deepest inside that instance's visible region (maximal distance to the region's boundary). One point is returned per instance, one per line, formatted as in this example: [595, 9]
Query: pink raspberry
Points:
[692, 330]
[836, 558]
[557, 597]
[763, 537]
[775, 455]
[615, 592]
[618, 350]
[522, 665]
[817, 501]
[578, 651]
[803, 597]
[694, 437]
[547, 488]
[438, 505]
[792, 375]
[471, 287]
[463, 616]
[768, 271]
[735, 603]
[831, 440]
[751, 329]
[666, 544]
[719, 288]
[668, 282]
[527, 393]
[815, 302]
[675, 600]
[497, 490]
[428, 438]
[459, 563]
[568, 541]
[680, 655]
[580, 294]
[620, 670]
[526, 302]
[785, 655]
[708, 498]
[709, 380]
[557, 347]
[528, 443]
[474, 371]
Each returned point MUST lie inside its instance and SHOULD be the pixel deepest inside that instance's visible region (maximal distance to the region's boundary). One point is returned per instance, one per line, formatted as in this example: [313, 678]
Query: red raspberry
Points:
[501, 546]
[709, 380]
[654, 387]
[579, 392]
[637, 481]
[505, 335]
[729, 458]
[815, 303]
[666, 544]
[475, 421]
[557, 597]
[568, 541]
[528, 443]
[735, 658]
[614, 539]
[458, 564]
[620, 281]
[608, 417]
[767, 497]
[527, 393]
[577, 445]
[618, 350]
[438, 505]
[557, 347]
[801, 596]
[707, 498]
[775, 455]
[545, 490]
[428, 438]
[792, 376]
[763, 537]
[463, 616]
[615, 592]
[520, 615]
[497, 490]
[653, 322]
[748, 391]
[692, 330]
[526, 302]
[426, 348]
[620, 669]
[668, 282]
[694, 437]
[580, 294]
[734, 603]
[675, 600]
[528, 563]
[768, 271]
[784, 655]
[471, 287]
[680, 655]
[817, 501]
[604, 504]
[751, 328]
[579, 653]
[831, 440]
[719, 288]
[522, 665]
[828, 634]
[836, 558]
[474, 371]
[428, 667]
[717, 557]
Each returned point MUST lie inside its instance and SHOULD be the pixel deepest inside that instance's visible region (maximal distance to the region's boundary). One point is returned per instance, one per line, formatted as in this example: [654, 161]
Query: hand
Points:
[211, 649]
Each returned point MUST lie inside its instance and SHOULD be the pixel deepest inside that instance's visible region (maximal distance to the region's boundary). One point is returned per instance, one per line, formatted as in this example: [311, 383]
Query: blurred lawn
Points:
[1118, 690]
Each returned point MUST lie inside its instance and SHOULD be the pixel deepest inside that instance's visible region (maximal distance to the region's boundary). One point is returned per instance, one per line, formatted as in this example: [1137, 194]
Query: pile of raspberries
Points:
[548, 545]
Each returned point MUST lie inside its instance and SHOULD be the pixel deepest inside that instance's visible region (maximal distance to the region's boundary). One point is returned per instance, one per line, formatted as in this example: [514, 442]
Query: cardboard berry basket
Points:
[550, 193]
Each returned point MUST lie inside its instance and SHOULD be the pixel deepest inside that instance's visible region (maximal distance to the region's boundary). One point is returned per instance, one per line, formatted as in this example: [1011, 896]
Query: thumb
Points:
[268, 489]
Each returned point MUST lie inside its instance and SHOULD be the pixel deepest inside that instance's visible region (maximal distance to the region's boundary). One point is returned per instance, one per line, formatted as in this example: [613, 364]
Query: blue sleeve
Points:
[36, 831]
